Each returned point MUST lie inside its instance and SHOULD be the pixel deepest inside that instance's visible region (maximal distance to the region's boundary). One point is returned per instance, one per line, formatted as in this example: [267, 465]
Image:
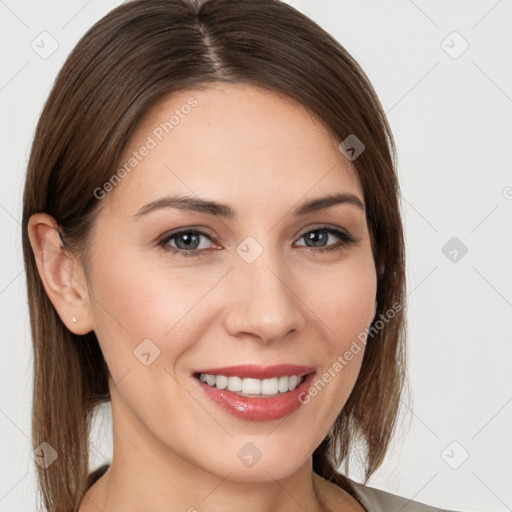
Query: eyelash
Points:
[345, 240]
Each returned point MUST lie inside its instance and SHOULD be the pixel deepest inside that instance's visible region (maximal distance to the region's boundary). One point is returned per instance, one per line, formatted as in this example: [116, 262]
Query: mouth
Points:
[256, 393]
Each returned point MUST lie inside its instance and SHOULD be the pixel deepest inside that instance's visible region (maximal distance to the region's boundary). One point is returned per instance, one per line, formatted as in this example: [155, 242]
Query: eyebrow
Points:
[195, 204]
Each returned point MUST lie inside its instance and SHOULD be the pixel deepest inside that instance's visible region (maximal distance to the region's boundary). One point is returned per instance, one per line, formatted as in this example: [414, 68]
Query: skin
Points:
[174, 449]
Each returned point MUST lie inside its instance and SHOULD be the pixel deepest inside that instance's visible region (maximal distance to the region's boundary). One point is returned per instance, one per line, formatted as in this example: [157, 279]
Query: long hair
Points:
[131, 58]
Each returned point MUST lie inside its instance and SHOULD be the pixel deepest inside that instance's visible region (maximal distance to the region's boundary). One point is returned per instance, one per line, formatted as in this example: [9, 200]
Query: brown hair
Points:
[131, 58]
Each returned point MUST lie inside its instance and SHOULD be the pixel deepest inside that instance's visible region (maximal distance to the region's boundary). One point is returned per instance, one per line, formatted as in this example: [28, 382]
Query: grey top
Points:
[375, 500]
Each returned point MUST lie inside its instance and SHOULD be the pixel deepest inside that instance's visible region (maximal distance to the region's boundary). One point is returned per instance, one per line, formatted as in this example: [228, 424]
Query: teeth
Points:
[293, 382]
[248, 386]
[270, 386]
[221, 382]
[251, 386]
[283, 384]
[234, 383]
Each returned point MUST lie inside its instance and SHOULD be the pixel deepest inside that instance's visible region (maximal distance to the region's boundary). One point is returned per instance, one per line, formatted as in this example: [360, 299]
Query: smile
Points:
[254, 392]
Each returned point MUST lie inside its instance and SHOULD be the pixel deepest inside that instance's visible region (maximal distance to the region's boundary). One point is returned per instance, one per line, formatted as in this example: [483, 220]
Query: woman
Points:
[213, 243]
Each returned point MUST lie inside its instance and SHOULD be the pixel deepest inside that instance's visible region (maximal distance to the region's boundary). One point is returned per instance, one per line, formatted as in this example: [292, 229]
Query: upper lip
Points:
[254, 371]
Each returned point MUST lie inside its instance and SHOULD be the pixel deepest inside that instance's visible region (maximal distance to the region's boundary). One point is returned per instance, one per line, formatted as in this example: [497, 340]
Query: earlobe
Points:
[60, 274]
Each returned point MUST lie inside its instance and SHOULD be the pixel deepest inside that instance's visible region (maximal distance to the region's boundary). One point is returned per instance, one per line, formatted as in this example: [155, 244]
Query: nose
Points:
[264, 300]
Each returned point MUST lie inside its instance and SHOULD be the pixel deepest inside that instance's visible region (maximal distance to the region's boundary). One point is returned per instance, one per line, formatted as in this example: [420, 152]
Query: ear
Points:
[61, 275]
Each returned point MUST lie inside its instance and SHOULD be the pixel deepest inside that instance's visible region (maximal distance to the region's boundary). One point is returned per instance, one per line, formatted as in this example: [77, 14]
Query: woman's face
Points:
[252, 288]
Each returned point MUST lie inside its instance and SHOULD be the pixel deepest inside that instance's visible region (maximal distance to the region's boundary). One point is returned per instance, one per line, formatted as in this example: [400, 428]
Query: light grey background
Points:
[451, 116]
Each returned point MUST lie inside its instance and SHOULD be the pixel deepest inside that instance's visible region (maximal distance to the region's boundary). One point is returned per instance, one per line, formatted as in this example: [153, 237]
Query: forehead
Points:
[232, 142]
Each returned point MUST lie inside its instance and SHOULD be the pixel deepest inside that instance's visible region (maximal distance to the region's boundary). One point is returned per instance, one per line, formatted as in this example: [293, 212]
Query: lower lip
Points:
[258, 409]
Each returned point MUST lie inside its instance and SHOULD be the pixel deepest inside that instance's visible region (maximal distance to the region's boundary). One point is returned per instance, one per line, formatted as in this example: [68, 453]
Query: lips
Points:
[253, 407]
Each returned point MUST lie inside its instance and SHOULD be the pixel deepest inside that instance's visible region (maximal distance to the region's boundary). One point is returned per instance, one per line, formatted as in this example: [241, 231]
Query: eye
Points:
[189, 241]
[319, 236]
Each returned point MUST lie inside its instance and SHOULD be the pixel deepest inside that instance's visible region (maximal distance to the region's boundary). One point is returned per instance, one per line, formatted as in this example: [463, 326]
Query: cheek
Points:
[135, 301]
[145, 319]
[344, 301]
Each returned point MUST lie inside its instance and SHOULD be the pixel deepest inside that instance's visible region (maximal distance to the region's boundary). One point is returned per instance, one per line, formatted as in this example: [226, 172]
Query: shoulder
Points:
[376, 500]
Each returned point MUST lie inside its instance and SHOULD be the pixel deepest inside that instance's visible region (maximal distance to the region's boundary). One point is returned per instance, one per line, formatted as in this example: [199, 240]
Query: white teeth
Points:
[221, 382]
[283, 384]
[294, 381]
[251, 386]
[234, 383]
[270, 386]
[248, 386]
